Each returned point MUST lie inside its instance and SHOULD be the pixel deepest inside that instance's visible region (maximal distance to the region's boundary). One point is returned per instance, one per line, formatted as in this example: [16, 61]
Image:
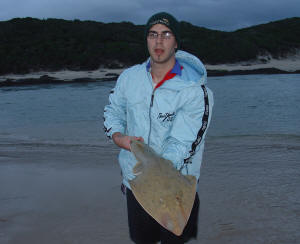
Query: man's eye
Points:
[167, 34]
[152, 34]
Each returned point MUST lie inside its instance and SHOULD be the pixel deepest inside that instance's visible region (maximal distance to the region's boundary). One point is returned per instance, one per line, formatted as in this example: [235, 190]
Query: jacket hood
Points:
[194, 69]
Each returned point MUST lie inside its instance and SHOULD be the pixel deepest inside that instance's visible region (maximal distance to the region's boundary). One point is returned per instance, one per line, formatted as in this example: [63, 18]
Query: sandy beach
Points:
[67, 75]
[48, 195]
[288, 64]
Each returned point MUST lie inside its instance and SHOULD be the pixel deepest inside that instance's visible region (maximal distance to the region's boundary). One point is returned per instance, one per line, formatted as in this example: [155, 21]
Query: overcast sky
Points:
[214, 14]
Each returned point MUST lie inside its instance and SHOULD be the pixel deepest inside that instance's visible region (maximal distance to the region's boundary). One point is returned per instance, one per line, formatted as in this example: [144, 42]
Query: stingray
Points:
[164, 193]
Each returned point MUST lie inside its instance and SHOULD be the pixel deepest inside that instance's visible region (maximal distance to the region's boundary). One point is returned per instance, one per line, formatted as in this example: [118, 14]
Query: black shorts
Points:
[144, 229]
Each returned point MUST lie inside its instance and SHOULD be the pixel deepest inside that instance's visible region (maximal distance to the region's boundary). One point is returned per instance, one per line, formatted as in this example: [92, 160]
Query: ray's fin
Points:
[138, 168]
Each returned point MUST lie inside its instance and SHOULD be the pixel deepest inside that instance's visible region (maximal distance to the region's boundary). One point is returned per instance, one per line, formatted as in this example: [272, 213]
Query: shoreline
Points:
[264, 65]
[59, 77]
[261, 71]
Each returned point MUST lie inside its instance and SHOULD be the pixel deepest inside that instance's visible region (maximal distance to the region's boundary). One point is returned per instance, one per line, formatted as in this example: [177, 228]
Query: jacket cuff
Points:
[110, 131]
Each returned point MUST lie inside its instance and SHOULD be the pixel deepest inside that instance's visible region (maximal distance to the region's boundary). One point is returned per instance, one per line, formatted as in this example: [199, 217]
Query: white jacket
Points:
[173, 119]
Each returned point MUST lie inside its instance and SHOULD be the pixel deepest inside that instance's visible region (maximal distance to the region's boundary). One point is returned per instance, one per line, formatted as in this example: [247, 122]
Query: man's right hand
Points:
[123, 141]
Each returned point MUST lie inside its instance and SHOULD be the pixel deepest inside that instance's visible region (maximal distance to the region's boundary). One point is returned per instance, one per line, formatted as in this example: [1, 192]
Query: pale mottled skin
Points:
[163, 192]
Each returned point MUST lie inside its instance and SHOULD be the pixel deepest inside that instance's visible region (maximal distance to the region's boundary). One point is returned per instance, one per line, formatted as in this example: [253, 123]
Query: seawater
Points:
[244, 105]
[58, 114]
[256, 105]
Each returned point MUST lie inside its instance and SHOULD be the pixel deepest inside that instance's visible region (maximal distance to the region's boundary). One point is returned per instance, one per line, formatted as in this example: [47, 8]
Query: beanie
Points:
[167, 20]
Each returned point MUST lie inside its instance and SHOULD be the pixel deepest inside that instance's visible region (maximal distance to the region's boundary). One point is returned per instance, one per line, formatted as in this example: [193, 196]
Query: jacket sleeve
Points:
[115, 111]
[189, 127]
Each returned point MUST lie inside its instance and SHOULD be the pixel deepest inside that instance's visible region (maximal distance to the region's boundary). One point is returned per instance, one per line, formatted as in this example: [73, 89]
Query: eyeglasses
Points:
[164, 35]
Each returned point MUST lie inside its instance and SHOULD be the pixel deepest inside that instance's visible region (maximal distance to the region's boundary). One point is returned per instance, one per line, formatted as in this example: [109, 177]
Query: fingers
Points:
[136, 138]
[132, 138]
[124, 141]
[139, 139]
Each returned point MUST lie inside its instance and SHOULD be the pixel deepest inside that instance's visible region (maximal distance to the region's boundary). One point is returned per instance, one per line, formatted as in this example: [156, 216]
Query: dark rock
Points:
[111, 74]
[115, 65]
[248, 72]
[83, 80]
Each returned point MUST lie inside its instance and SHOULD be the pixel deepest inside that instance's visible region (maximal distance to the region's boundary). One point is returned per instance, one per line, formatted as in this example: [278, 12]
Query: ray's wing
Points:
[163, 192]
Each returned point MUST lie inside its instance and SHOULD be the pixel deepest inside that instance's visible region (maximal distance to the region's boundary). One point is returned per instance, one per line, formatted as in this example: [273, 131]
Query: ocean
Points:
[255, 105]
[250, 176]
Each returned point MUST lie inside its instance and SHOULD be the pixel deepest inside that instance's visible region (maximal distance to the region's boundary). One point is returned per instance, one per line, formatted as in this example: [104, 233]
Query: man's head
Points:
[162, 37]
[167, 20]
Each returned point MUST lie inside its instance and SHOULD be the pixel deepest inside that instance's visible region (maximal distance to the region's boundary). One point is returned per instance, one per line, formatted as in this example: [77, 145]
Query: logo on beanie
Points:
[163, 21]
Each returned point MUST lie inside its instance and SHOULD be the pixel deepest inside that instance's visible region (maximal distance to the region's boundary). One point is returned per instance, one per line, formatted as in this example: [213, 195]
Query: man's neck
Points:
[159, 70]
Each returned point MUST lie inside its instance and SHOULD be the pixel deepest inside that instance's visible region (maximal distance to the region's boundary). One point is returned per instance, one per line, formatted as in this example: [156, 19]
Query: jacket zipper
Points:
[152, 96]
[150, 108]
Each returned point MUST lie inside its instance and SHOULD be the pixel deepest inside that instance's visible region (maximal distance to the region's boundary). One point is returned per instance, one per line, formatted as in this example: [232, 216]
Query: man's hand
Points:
[123, 141]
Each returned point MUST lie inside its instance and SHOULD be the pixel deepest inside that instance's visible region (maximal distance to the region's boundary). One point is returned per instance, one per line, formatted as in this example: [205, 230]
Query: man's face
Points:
[161, 50]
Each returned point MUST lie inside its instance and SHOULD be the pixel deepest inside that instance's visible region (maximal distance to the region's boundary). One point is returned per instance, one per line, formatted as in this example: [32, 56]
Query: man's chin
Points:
[159, 59]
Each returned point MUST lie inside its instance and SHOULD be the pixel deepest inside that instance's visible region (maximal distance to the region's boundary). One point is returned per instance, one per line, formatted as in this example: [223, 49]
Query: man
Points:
[164, 103]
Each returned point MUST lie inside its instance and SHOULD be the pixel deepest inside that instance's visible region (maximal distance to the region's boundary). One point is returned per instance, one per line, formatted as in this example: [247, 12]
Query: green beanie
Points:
[164, 19]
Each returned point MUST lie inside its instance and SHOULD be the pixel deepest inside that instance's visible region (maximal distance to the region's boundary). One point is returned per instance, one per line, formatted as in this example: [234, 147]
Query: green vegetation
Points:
[30, 44]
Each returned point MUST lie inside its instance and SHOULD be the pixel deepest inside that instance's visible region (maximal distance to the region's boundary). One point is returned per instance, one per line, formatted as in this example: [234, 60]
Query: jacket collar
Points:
[175, 70]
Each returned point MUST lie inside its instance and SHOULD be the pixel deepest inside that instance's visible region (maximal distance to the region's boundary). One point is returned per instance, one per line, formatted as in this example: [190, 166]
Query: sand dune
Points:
[290, 64]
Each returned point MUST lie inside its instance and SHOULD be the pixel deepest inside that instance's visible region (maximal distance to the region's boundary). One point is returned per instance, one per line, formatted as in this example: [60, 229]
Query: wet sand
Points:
[54, 195]
[70, 194]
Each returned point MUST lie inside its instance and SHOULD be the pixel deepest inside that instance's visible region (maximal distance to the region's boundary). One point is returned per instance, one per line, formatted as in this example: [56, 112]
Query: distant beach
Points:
[62, 76]
[262, 65]
[288, 64]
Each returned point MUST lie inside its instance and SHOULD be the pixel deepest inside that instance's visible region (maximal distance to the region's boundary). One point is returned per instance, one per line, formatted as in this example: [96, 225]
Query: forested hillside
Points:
[28, 44]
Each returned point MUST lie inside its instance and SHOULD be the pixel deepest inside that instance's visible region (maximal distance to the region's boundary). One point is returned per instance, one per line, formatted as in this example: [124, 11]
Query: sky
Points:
[226, 15]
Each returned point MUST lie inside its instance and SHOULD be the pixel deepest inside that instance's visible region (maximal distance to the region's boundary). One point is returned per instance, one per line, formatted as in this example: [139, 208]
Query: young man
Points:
[164, 103]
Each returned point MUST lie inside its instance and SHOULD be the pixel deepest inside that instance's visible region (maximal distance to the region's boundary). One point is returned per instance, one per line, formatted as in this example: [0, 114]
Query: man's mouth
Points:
[158, 51]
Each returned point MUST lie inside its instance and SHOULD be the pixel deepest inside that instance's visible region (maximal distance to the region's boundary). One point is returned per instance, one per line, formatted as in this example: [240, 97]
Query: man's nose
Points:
[159, 38]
